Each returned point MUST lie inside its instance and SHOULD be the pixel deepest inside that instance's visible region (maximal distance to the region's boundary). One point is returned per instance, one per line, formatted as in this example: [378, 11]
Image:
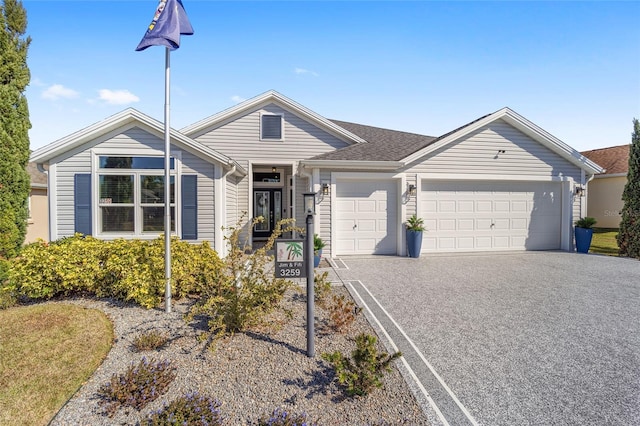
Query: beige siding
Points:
[38, 221]
[240, 139]
[604, 200]
[477, 154]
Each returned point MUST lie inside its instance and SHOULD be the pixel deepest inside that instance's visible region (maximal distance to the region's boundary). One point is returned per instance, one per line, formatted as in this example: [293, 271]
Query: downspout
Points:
[219, 240]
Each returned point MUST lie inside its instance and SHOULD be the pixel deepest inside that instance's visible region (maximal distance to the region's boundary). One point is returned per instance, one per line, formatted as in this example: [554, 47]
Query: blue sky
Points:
[573, 68]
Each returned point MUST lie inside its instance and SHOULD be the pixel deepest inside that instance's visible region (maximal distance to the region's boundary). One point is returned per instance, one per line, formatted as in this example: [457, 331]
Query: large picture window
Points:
[131, 201]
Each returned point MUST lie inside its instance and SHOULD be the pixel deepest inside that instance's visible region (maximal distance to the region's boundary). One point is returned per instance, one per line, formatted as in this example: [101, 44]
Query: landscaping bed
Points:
[250, 373]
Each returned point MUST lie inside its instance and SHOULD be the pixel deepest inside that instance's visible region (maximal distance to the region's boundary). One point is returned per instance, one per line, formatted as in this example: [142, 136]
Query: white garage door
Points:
[476, 216]
[366, 217]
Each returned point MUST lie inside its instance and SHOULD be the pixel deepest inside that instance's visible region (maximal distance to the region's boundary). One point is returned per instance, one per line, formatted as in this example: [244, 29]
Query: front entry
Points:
[268, 204]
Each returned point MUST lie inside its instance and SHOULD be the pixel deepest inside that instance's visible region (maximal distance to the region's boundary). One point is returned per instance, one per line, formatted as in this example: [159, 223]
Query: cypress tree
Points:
[14, 127]
[629, 235]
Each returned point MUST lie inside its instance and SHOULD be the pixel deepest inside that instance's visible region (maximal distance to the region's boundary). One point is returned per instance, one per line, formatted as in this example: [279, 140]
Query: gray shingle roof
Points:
[382, 144]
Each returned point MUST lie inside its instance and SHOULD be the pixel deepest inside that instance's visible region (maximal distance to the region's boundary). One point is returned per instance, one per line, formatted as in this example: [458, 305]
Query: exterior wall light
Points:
[309, 203]
[579, 191]
[325, 189]
[411, 190]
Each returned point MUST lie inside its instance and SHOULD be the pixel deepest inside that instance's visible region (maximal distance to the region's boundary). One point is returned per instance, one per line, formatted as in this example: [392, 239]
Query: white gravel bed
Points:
[251, 374]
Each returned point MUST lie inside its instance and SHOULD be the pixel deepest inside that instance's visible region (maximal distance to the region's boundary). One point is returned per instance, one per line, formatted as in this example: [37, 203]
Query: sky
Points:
[428, 67]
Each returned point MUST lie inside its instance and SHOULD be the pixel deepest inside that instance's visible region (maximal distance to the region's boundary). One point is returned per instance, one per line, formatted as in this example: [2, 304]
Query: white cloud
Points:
[37, 82]
[117, 97]
[305, 71]
[58, 91]
[237, 99]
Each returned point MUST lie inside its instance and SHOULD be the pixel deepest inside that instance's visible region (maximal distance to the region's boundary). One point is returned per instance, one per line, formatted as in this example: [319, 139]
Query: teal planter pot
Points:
[317, 255]
[414, 243]
[583, 239]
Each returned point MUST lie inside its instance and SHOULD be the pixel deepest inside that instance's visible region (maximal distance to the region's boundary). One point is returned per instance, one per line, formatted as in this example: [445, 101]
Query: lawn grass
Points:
[604, 241]
[47, 352]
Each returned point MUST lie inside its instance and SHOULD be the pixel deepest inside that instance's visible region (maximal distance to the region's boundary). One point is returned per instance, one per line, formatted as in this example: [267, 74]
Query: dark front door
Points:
[268, 204]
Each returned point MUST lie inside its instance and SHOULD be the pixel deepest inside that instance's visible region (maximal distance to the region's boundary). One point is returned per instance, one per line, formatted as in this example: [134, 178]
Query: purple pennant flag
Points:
[169, 22]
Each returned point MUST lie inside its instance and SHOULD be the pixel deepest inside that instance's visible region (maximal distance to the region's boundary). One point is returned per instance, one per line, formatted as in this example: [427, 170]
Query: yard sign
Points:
[290, 259]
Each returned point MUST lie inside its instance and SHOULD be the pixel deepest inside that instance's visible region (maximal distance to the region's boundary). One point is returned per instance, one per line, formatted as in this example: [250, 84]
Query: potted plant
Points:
[584, 233]
[318, 245]
[415, 227]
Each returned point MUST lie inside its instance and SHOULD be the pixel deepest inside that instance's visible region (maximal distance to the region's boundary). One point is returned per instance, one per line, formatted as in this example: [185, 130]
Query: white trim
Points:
[52, 196]
[481, 177]
[282, 137]
[566, 210]
[271, 96]
[219, 209]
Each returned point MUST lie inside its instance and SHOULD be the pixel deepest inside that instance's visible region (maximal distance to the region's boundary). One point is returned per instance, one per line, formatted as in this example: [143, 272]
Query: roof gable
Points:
[614, 159]
[518, 122]
[127, 119]
[197, 129]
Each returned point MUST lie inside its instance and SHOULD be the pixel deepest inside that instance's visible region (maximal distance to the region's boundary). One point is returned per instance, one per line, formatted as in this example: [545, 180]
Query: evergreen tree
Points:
[629, 235]
[14, 127]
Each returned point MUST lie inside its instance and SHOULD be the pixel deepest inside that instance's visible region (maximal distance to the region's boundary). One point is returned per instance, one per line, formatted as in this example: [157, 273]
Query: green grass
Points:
[604, 241]
[47, 352]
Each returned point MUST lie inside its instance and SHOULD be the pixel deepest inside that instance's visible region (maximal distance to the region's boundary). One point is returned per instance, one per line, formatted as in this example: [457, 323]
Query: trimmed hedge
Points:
[131, 270]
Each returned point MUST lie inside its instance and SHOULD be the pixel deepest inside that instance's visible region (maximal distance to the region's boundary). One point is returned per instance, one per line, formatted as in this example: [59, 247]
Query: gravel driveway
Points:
[545, 338]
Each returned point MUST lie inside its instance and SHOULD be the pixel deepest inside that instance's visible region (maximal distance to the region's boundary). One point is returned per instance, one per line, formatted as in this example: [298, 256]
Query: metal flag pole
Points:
[167, 185]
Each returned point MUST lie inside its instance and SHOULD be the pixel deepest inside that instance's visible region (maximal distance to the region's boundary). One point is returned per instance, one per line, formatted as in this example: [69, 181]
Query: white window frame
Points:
[262, 138]
[137, 194]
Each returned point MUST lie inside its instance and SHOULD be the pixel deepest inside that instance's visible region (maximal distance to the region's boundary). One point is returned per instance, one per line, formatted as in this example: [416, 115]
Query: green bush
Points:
[131, 270]
[364, 369]
[241, 293]
[321, 288]
[140, 385]
[191, 409]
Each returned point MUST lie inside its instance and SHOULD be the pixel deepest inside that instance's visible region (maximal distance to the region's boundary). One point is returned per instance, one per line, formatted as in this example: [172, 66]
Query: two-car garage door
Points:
[476, 216]
[459, 216]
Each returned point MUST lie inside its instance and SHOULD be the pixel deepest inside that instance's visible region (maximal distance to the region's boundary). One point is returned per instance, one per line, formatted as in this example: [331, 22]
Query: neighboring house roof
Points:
[614, 159]
[211, 122]
[129, 118]
[38, 179]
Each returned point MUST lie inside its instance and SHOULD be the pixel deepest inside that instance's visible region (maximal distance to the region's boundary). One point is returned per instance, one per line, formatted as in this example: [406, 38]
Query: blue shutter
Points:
[82, 203]
[189, 207]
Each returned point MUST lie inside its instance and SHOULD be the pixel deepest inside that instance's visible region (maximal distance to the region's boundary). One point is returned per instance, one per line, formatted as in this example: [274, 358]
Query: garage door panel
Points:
[474, 216]
[370, 227]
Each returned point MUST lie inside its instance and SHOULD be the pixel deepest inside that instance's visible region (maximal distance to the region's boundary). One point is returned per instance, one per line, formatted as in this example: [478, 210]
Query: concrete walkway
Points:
[510, 339]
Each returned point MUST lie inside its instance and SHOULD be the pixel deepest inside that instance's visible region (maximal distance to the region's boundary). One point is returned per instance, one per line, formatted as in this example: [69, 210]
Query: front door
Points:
[268, 204]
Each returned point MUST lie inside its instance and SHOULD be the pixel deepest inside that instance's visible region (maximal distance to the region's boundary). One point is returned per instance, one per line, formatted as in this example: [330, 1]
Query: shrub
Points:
[241, 293]
[140, 385]
[321, 288]
[366, 367]
[586, 222]
[342, 313]
[280, 417]
[131, 270]
[191, 409]
[149, 341]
